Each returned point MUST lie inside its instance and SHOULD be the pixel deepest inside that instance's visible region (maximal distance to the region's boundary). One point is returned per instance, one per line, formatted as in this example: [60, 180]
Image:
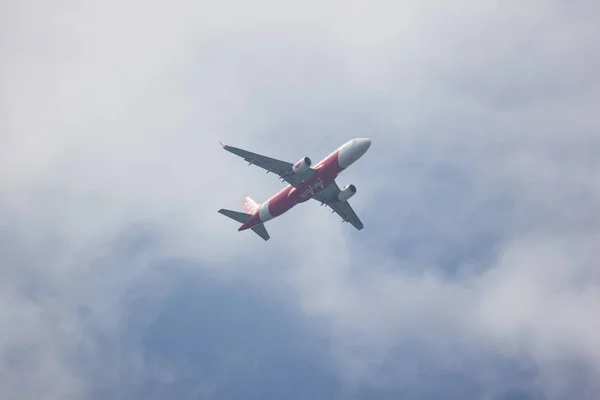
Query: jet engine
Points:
[302, 165]
[347, 192]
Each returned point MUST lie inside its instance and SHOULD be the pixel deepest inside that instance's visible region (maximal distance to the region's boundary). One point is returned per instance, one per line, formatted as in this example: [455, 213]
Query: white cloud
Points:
[112, 112]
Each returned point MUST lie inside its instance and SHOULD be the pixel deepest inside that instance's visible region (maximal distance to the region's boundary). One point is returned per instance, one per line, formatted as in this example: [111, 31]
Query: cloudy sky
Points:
[477, 273]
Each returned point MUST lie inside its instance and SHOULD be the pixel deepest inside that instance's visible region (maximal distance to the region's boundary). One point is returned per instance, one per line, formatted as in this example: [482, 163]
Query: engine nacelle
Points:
[347, 192]
[302, 165]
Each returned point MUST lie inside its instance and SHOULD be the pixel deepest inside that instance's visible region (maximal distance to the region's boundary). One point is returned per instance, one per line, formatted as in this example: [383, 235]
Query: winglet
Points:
[222, 144]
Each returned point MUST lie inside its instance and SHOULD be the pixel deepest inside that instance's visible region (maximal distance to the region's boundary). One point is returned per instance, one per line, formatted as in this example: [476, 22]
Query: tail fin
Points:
[250, 205]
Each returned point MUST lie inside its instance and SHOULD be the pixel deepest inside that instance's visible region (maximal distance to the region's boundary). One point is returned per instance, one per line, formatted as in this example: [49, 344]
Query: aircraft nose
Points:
[365, 144]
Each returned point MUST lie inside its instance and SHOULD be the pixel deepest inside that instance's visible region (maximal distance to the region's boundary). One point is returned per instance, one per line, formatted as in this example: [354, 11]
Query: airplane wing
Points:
[282, 168]
[342, 208]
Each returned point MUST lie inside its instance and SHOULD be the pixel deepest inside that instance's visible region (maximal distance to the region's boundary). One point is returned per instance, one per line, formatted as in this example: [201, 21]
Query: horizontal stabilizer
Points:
[261, 231]
[236, 215]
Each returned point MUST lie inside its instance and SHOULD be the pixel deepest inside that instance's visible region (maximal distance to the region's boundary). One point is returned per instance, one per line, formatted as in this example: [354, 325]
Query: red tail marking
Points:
[250, 205]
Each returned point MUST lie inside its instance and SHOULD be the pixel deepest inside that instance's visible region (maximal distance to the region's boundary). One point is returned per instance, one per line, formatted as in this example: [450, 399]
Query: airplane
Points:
[304, 183]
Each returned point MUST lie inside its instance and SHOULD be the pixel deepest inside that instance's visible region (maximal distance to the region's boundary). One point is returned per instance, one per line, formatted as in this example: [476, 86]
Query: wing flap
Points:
[329, 195]
[344, 210]
[281, 168]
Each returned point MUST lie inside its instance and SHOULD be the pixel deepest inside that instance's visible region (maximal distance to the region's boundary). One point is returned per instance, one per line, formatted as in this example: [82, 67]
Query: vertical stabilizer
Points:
[250, 205]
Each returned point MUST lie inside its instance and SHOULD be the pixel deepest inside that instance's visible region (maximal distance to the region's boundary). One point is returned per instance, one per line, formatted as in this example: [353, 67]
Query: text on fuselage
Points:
[310, 190]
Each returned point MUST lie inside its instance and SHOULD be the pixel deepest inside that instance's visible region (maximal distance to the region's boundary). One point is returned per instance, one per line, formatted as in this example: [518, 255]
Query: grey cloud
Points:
[482, 115]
